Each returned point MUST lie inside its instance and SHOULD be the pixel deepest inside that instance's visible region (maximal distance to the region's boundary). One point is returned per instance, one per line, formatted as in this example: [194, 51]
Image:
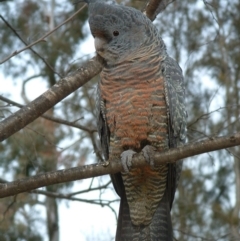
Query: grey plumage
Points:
[140, 106]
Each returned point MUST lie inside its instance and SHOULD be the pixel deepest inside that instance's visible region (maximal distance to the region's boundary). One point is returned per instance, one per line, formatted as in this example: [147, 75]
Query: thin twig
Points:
[63, 196]
[206, 115]
[90, 189]
[54, 119]
[42, 38]
[16, 33]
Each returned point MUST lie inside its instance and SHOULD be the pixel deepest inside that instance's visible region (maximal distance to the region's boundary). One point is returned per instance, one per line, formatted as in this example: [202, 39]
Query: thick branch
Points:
[154, 7]
[72, 174]
[51, 97]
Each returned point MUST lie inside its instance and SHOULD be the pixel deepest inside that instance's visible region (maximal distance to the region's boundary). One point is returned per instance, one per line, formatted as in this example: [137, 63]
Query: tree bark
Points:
[154, 7]
[51, 97]
[72, 174]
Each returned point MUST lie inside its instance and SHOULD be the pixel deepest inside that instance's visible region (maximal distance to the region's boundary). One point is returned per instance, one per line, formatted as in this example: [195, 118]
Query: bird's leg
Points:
[126, 159]
[148, 153]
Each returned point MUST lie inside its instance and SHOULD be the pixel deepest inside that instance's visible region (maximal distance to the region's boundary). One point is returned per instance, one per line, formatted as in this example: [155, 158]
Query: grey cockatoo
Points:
[140, 108]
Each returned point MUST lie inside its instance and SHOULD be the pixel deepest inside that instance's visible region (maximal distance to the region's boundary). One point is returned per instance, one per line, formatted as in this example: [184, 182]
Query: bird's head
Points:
[119, 31]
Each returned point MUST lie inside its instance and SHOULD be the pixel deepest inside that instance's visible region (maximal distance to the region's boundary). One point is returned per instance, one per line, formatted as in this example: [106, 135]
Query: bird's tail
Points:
[160, 228]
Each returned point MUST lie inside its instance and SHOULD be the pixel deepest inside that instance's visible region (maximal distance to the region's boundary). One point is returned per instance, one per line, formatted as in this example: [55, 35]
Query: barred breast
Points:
[136, 115]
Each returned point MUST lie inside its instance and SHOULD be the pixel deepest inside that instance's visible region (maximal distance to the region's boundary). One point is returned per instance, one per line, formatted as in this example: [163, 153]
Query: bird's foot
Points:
[148, 153]
[105, 163]
[126, 159]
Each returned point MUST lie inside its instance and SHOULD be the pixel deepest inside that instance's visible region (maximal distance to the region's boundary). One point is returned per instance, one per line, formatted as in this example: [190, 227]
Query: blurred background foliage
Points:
[203, 36]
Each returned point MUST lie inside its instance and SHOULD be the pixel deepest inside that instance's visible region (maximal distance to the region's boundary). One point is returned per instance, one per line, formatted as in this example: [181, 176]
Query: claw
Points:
[148, 153]
[126, 159]
[105, 163]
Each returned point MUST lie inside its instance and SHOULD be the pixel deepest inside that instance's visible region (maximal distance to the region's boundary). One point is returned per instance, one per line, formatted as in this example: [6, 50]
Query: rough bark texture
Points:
[51, 97]
[72, 174]
[154, 7]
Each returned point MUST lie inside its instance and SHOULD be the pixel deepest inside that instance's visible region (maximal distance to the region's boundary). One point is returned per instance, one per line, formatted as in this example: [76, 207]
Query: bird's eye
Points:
[115, 33]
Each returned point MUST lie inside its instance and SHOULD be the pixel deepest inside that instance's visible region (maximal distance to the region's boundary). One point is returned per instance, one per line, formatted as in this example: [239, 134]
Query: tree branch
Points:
[26, 44]
[72, 174]
[51, 97]
[63, 196]
[54, 119]
[42, 38]
[154, 7]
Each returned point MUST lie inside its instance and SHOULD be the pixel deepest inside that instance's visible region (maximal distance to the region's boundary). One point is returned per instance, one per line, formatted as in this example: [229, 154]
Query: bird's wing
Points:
[174, 94]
